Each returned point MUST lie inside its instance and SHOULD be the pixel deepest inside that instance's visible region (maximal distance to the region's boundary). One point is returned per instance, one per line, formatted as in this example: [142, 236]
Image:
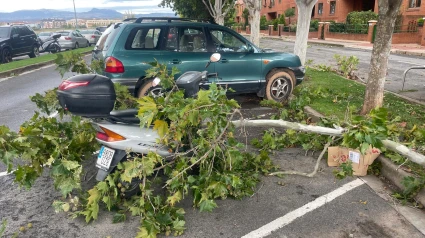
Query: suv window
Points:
[226, 42]
[107, 37]
[186, 39]
[143, 38]
[4, 32]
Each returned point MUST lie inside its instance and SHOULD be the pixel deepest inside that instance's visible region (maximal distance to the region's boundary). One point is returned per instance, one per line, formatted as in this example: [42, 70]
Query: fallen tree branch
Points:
[289, 125]
[316, 167]
[391, 145]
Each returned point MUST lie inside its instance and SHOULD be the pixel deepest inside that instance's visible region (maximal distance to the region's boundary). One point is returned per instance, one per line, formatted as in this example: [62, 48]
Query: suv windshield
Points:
[4, 32]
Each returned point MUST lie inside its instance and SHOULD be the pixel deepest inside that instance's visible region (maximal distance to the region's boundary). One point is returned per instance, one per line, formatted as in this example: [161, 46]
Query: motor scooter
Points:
[93, 96]
[51, 44]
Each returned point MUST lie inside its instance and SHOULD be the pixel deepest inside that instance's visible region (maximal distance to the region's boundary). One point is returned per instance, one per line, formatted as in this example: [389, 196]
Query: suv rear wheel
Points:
[279, 86]
[6, 56]
[35, 52]
[148, 90]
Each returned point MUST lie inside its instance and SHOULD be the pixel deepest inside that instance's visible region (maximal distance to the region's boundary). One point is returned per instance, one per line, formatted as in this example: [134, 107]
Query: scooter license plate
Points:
[104, 158]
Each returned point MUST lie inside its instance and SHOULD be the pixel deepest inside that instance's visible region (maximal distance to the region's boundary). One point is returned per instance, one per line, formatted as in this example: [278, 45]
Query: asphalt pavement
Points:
[292, 206]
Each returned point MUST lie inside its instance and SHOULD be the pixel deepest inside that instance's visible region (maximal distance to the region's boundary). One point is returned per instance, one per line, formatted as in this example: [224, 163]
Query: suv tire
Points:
[6, 56]
[147, 89]
[35, 52]
[279, 86]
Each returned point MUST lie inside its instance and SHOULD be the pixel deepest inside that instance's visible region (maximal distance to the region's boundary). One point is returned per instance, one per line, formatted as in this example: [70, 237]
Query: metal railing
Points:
[406, 28]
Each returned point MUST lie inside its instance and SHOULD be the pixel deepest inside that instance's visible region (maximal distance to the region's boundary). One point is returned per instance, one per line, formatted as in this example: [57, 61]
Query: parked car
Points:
[126, 47]
[44, 36]
[16, 40]
[72, 40]
[91, 35]
[102, 29]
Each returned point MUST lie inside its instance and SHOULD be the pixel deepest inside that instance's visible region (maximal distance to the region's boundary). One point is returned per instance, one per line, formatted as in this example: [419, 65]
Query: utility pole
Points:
[75, 14]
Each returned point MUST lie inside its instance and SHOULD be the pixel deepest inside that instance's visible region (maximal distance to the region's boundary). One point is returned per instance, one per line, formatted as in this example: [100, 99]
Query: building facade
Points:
[53, 23]
[101, 22]
[336, 10]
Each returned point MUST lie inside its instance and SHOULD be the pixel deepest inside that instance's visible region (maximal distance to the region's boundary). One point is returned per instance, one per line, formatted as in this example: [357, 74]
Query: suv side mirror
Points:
[214, 58]
[15, 36]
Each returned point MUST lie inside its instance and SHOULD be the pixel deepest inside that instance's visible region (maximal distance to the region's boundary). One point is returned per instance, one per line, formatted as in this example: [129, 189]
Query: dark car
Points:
[16, 40]
[126, 47]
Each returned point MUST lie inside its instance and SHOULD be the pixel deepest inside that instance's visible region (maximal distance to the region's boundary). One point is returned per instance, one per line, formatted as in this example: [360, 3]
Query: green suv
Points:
[126, 48]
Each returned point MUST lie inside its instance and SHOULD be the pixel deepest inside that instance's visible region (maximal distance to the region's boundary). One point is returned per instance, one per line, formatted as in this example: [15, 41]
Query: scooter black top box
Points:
[88, 95]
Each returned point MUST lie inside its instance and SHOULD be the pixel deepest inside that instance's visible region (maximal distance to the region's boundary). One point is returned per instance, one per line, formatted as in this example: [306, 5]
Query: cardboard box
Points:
[338, 155]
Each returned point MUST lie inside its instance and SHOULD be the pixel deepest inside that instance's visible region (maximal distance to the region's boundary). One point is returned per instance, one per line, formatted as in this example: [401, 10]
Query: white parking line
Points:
[311, 206]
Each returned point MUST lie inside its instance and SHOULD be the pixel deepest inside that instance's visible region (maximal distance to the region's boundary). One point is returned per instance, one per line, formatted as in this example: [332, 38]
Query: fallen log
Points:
[391, 145]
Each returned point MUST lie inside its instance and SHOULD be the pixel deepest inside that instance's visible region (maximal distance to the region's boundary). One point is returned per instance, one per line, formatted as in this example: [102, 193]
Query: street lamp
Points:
[75, 14]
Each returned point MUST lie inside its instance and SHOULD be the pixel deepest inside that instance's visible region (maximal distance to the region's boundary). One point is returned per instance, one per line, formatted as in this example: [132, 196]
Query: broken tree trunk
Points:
[391, 145]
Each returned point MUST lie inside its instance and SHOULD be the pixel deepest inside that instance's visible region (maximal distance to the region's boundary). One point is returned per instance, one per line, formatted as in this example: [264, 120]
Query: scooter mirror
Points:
[215, 57]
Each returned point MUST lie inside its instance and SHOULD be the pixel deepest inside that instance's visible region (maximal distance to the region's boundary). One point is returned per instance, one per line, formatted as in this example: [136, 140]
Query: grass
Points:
[41, 59]
[341, 93]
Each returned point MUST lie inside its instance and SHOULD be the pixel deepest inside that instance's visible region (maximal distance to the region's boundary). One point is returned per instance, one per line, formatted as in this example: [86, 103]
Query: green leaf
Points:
[364, 147]
[164, 219]
[178, 225]
[70, 165]
[203, 96]
[118, 217]
[176, 197]
[207, 205]
[147, 111]
[108, 201]
[162, 127]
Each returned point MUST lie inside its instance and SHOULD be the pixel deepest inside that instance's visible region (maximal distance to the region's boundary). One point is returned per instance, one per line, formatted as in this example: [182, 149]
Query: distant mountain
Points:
[95, 13]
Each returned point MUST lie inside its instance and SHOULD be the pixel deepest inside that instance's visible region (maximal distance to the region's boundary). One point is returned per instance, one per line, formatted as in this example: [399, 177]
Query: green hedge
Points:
[359, 18]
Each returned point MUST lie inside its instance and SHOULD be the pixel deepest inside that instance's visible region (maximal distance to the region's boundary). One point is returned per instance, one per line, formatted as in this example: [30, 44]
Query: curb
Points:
[389, 170]
[16, 72]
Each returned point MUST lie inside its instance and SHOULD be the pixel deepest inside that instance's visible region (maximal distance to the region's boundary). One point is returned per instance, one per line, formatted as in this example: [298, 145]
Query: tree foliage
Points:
[188, 8]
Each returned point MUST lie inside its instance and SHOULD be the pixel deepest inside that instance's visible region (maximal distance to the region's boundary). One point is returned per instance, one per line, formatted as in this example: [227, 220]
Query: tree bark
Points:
[374, 96]
[219, 10]
[254, 8]
[391, 145]
[303, 27]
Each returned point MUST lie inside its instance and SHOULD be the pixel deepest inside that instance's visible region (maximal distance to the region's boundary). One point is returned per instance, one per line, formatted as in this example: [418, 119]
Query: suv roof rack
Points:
[169, 19]
[130, 19]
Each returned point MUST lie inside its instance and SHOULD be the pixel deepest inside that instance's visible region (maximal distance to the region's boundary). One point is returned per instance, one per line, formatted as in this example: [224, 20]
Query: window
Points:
[143, 38]
[414, 3]
[333, 6]
[320, 9]
[107, 37]
[185, 39]
[226, 42]
[4, 32]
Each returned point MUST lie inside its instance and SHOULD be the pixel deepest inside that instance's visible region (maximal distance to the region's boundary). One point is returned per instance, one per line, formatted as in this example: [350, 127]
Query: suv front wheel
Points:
[279, 86]
[147, 89]
[35, 52]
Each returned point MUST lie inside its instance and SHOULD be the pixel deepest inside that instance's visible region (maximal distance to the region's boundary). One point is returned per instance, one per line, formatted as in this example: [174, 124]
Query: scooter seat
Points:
[128, 115]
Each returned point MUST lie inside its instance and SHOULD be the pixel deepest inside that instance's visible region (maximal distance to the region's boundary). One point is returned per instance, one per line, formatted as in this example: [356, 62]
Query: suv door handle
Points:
[224, 61]
[175, 61]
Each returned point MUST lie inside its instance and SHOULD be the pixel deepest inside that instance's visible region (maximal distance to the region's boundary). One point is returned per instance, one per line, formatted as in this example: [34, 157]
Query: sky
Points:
[136, 6]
